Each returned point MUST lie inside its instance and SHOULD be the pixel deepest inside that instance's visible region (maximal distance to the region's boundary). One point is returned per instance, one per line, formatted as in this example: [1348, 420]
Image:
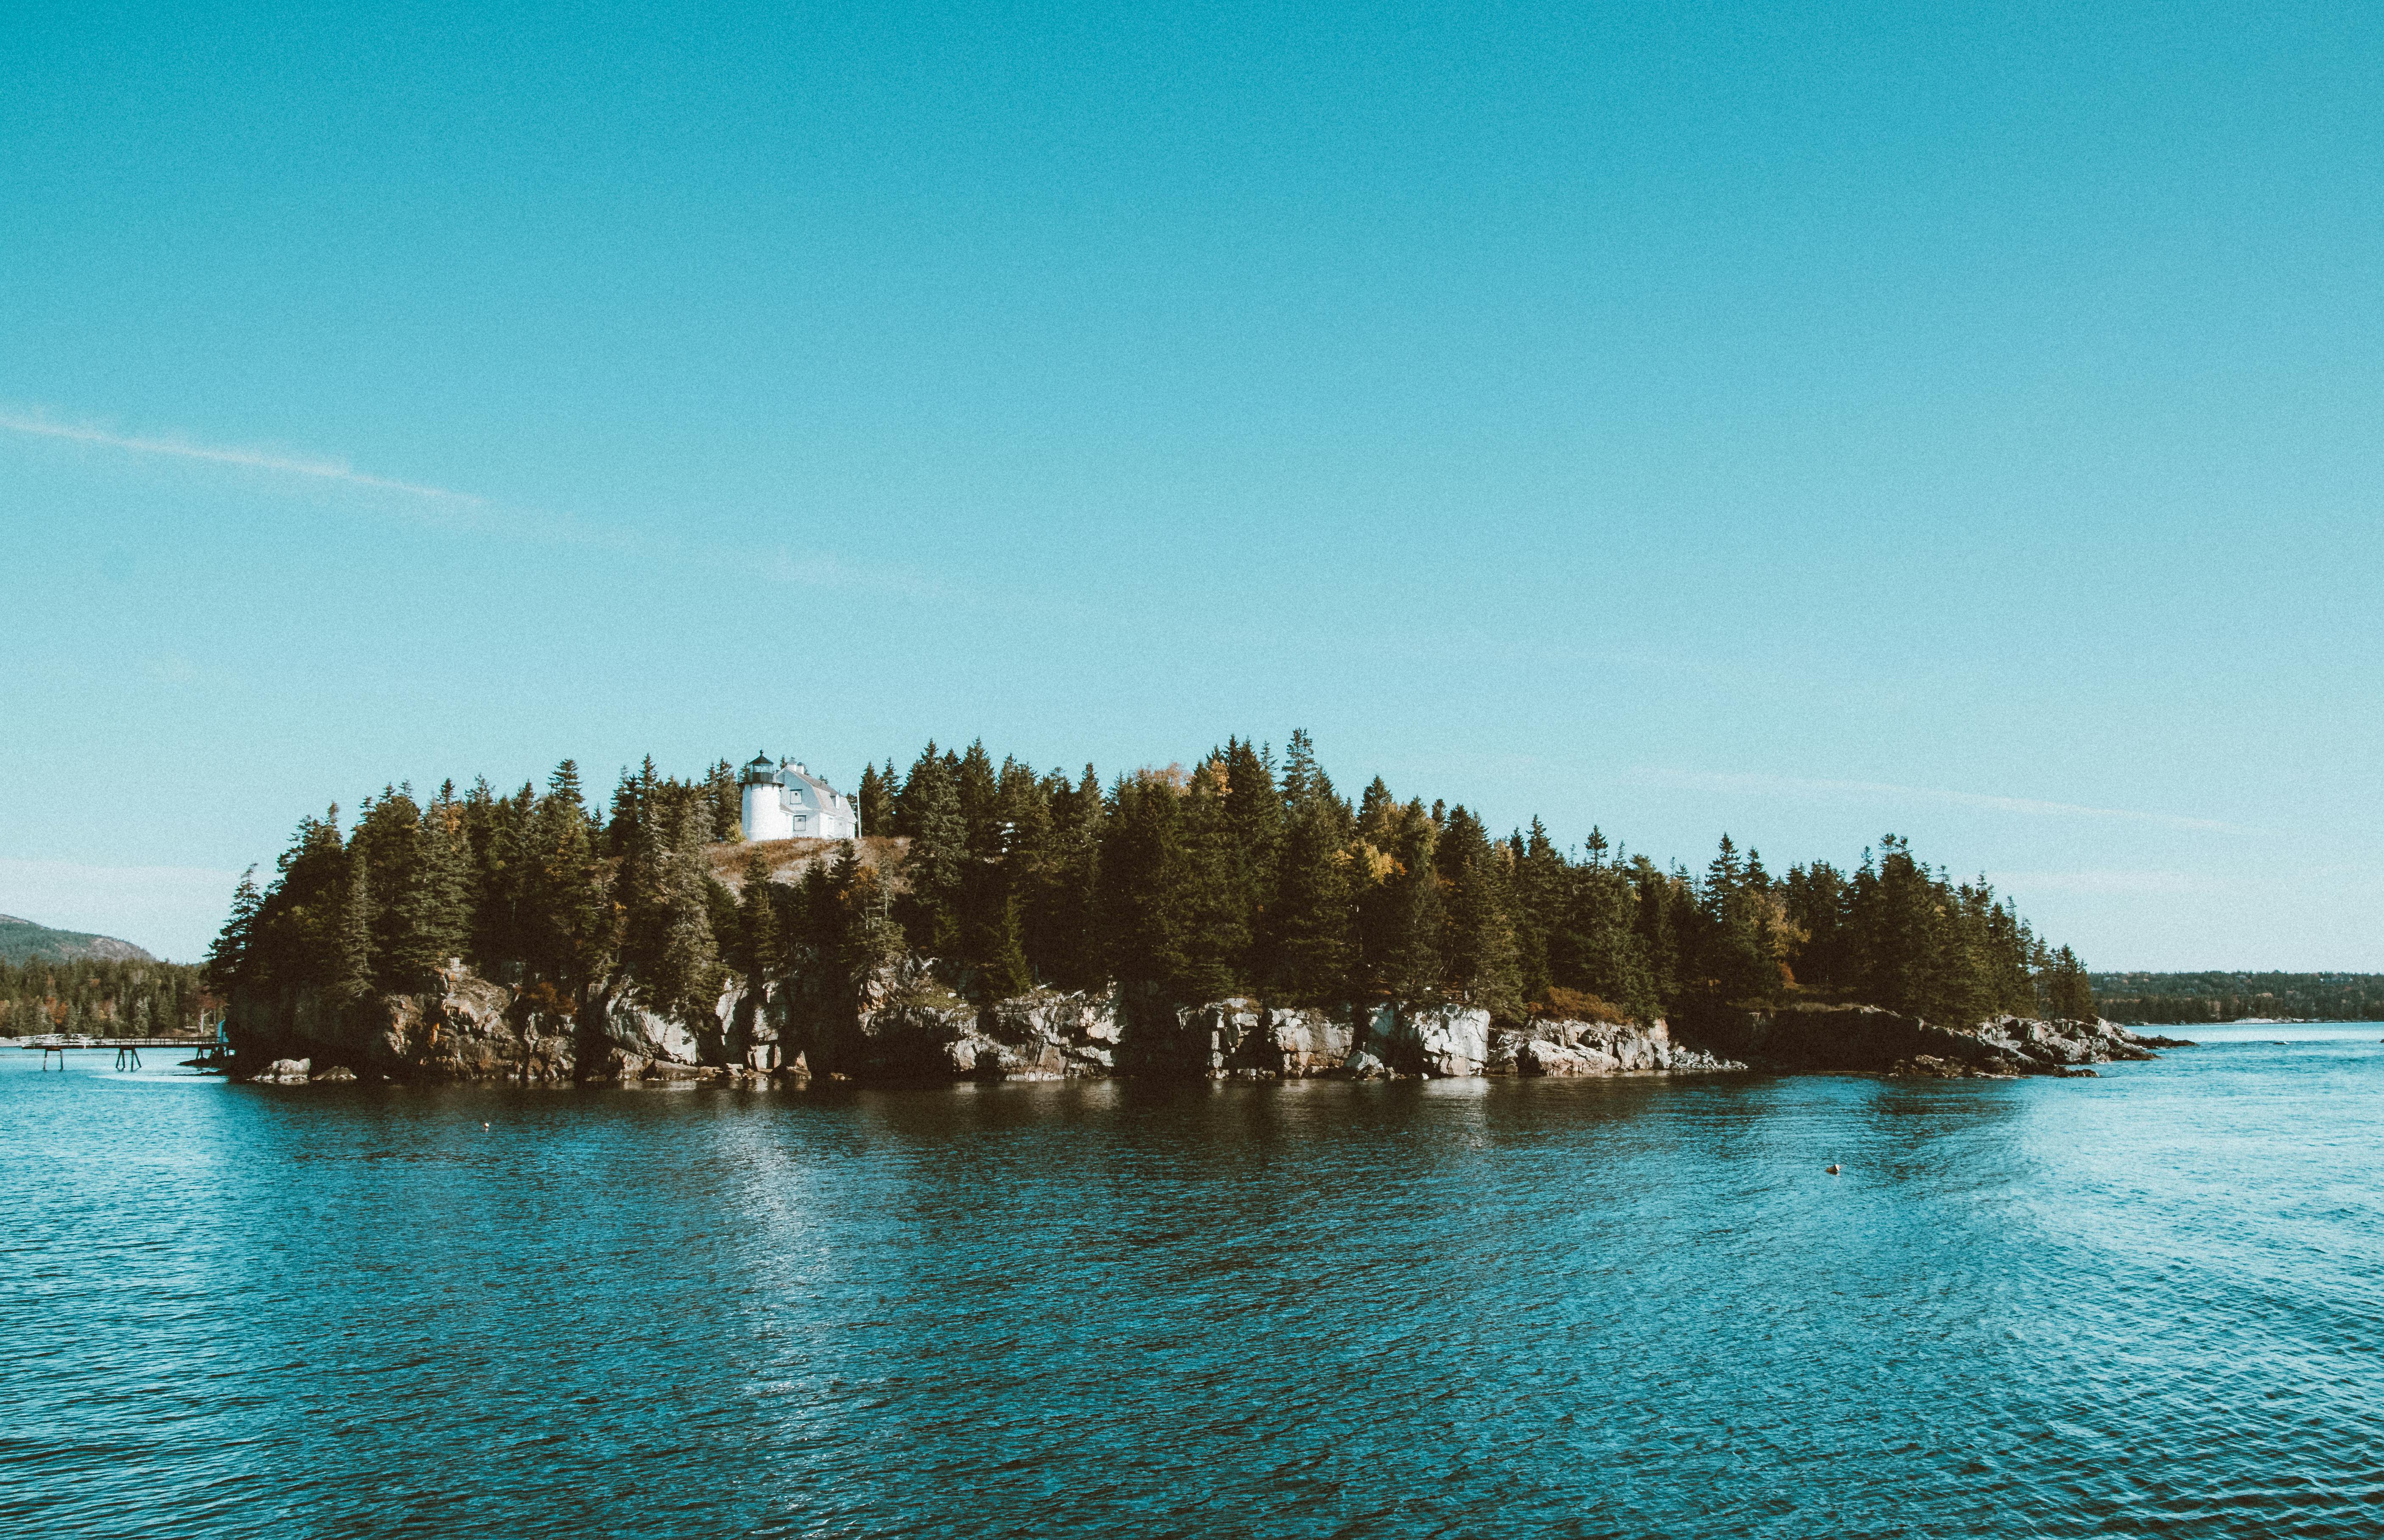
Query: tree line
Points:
[1244, 874]
[100, 998]
[2183, 999]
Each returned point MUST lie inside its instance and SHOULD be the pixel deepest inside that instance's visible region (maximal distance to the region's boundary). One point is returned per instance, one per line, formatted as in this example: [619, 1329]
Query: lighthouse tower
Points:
[784, 800]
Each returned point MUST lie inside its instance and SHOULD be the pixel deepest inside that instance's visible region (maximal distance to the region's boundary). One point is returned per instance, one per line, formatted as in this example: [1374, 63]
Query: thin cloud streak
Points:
[250, 459]
[1791, 786]
[828, 572]
[471, 511]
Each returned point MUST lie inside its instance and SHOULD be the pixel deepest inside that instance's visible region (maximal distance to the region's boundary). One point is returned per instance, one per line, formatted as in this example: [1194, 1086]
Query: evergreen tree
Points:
[1062, 934]
[668, 941]
[1894, 917]
[1658, 896]
[352, 967]
[296, 940]
[1004, 972]
[567, 923]
[1733, 946]
[1141, 862]
[1816, 897]
[387, 838]
[978, 790]
[1541, 888]
[760, 951]
[1303, 780]
[1596, 948]
[723, 801]
[874, 801]
[229, 955]
[1400, 912]
[1013, 870]
[1212, 899]
[929, 814]
[984, 918]
[1254, 831]
[1478, 944]
[432, 918]
[2069, 995]
[1309, 943]
[632, 799]
[495, 907]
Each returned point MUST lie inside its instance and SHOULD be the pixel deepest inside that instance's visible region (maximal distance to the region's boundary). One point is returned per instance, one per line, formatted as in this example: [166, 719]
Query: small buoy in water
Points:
[1832, 1168]
[1833, 1171]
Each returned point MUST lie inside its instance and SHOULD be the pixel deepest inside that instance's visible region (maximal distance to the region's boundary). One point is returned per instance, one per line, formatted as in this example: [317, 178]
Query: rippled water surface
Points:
[2147, 1304]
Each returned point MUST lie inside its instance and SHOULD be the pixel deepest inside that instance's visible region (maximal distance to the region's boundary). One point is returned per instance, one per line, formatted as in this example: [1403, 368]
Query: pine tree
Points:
[929, 814]
[978, 791]
[874, 799]
[1540, 888]
[2069, 995]
[1211, 901]
[632, 800]
[760, 952]
[1400, 909]
[1816, 897]
[1309, 942]
[229, 956]
[1063, 936]
[1141, 862]
[300, 926]
[1596, 948]
[1004, 973]
[1478, 941]
[688, 967]
[569, 919]
[431, 921]
[1254, 820]
[388, 836]
[723, 802]
[1895, 929]
[351, 981]
[983, 916]
[1732, 945]
[1658, 896]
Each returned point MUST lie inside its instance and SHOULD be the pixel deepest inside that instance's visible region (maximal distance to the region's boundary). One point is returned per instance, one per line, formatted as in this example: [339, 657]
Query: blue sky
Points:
[1803, 422]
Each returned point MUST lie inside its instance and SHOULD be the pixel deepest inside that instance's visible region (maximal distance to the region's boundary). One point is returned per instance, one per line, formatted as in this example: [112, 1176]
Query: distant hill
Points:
[2183, 999]
[23, 941]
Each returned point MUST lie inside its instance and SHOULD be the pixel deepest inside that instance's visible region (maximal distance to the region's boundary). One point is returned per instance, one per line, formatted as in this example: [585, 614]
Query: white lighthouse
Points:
[783, 801]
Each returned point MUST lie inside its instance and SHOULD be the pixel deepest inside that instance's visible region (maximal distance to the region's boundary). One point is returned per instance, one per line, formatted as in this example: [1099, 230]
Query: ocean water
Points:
[2147, 1304]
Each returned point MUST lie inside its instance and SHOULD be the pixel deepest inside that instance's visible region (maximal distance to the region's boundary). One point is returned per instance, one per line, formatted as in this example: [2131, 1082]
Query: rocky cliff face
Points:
[1571, 1048]
[905, 1023]
[1867, 1039]
[465, 1028]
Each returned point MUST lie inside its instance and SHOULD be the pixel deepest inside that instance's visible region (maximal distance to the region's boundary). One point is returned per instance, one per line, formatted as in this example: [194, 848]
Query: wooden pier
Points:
[128, 1049]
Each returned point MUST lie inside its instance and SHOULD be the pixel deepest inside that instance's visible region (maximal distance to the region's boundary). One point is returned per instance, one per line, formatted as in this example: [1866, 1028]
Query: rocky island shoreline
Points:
[908, 1026]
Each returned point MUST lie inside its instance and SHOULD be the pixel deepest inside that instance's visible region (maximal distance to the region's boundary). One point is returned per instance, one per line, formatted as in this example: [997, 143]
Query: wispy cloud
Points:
[448, 507]
[250, 459]
[828, 572]
[1791, 786]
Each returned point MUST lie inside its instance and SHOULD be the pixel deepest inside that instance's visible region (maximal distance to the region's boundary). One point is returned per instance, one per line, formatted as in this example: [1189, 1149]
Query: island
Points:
[968, 919]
